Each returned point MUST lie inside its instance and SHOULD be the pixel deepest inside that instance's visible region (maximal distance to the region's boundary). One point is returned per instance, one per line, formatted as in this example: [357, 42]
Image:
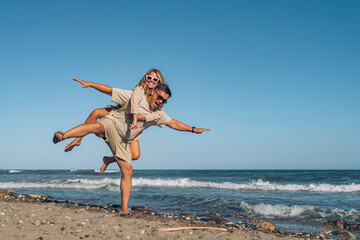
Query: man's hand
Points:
[84, 84]
[175, 124]
[200, 130]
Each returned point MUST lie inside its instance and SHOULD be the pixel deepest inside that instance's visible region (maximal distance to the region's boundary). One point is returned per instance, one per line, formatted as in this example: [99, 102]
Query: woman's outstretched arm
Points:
[100, 87]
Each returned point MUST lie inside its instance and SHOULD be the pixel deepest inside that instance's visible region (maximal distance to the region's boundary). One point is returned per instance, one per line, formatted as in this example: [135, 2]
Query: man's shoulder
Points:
[122, 91]
[164, 118]
[120, 96]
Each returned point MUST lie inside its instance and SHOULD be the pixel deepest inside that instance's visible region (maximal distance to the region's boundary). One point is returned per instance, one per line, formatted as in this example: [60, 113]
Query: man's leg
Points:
[135, 154]
[125, 185]
[107, 161]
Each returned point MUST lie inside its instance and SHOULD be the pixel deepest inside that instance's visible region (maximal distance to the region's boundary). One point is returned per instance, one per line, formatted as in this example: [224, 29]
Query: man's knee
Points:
[98, 128]
[125, 167]
[128, 172]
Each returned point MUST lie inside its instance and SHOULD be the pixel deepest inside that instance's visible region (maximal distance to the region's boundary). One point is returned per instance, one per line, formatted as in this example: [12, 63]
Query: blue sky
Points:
[276, 81]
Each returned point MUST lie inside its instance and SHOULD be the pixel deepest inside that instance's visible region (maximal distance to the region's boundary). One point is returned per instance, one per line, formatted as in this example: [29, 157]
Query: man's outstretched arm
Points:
[100, 87]
[175, 124]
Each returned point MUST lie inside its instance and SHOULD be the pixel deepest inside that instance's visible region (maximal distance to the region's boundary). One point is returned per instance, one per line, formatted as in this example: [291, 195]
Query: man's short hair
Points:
[164, 87]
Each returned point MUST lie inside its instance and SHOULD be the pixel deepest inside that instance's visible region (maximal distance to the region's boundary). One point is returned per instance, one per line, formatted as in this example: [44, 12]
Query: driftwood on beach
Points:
[186, 228]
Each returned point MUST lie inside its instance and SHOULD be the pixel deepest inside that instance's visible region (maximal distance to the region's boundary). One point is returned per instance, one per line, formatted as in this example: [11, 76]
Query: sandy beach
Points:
[39, 217]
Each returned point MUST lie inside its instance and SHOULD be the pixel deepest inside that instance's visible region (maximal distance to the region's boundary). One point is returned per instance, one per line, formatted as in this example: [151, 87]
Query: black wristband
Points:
[192, 130]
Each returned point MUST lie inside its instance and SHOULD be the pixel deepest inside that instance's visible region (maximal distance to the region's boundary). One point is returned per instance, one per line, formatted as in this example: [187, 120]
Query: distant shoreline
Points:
[117, 169]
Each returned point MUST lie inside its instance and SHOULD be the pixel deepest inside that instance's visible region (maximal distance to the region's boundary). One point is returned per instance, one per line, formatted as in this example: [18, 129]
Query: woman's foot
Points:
[107, 161]
[58, 137]
[71, 145]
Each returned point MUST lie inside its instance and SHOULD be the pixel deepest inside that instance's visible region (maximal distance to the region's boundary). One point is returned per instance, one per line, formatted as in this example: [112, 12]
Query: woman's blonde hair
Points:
[143, 84]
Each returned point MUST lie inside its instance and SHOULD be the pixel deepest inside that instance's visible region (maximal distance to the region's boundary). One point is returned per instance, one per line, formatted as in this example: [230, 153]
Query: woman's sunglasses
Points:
[150, 78]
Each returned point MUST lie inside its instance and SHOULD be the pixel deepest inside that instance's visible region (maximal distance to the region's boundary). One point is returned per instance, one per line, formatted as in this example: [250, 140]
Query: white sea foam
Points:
[83, 183]
[299, 212]
[17, 185]
[345, 214]
[73, 170]
[253, 185]
[94, 182]
[86, 184]
[270, 210]
[107, 171]
[112, 188]
[14, 171]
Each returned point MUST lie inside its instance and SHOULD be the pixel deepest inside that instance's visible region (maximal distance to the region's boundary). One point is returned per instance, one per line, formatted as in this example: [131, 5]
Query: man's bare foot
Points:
[124, 213]
[71, 145]
[107, 161]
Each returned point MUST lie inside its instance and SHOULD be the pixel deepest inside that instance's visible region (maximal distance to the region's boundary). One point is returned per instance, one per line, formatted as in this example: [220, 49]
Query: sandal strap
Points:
[62, 135]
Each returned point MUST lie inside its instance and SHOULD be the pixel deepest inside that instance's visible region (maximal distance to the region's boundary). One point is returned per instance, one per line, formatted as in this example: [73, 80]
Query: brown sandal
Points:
[58, 137]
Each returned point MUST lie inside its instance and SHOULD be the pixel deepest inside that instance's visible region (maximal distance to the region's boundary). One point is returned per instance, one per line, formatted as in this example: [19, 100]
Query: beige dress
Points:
[136, 97]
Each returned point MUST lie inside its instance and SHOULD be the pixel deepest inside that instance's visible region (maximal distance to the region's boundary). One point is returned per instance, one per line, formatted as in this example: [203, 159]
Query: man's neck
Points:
[148, 100]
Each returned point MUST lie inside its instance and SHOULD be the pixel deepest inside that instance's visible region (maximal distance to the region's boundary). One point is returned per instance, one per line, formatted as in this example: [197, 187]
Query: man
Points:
[116, 132]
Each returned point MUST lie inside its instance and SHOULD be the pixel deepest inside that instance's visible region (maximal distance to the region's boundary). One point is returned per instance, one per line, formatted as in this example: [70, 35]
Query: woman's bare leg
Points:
[135, 150]
[92, 118]
[80, 131]
[135, 153]
[125, 185]
[84, 129]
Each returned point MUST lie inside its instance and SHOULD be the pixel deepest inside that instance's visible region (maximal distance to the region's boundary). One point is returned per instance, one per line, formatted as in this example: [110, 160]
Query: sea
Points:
[301, 199]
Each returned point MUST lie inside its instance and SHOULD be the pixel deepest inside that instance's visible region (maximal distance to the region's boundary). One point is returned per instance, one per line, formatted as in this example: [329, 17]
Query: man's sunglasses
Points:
[150, 78]
[159, 97]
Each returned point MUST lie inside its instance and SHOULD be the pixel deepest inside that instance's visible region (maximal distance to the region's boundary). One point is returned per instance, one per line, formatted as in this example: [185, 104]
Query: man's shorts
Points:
[119, 147]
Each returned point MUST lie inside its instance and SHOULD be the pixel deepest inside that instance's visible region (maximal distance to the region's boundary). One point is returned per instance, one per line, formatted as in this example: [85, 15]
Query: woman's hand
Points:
[98, 86]
[85, 84]
[134, 123]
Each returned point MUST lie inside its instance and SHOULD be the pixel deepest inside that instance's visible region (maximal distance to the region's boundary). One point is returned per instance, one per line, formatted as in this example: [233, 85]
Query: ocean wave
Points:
[296, 212]
[270, 210]
[73, 170]
[94, 182]
[83, 183]
[253, 185]
[299, 212]
[14, 171]
[113, 188]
